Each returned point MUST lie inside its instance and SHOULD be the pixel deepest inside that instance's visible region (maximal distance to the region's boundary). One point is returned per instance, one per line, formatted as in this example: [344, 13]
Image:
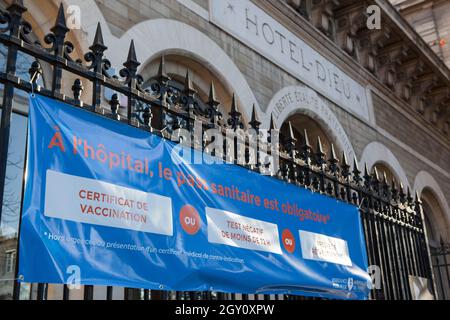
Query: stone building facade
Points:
[381, 96]
[430, 18]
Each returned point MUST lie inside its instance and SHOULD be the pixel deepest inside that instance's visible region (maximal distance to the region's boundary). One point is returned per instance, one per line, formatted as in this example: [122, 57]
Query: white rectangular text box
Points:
[96, 202]
[319, 247]
[238, 231]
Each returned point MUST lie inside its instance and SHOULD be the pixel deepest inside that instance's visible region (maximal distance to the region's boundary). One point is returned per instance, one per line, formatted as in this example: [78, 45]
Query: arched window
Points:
[437, 228]
[177, 64]
[383, 169]
[300, 123]
[23, 64]
[435, 217]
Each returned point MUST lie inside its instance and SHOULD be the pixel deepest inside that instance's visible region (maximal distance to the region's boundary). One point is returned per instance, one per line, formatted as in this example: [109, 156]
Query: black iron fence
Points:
[440, 257]
[396, 242]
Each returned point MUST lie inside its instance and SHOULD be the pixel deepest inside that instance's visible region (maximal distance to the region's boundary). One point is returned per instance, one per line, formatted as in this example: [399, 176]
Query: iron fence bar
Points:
[403, 256]
[446, 265]
[16, 289]
[146, 294]
[394, 251]
[369, 246]
[439, 275]
[42, 291]
[393, 266]
[373, 227]
[421, 264]
[15, 12]
[383, 255]
[393, 248]
[386, 248]
[66, 292]
[88, 292]
[420, 214]
[109, 293]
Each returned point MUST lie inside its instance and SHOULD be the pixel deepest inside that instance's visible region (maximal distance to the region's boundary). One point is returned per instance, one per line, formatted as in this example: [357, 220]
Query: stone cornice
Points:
[415, 38]
[419, 5]
[304, 29]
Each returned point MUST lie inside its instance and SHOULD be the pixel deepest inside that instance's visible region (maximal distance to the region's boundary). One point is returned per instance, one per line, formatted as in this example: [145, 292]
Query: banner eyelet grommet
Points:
[32, 83]
[32, 91]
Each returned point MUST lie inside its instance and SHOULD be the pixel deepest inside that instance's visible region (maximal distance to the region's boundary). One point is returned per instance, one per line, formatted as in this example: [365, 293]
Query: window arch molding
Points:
[300, 99]
[164, 35]
[376, 152]
[423, 182]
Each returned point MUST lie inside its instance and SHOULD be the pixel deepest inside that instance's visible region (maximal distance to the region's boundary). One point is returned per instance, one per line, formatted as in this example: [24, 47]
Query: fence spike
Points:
[320, 155]
[344, 159]
[213, 103]
[306, 139]
[132, 63]
[291, 133]
[356, 171]
[17, 6]
[319, 147]
[393, 185]
[15, 24]
[162, 74]
[98, 44]
[306, 148]
[366, 170]
[394, 190]
[272, 126]
[234, 105]
[333, 157]
[375, 174]
[212, 99]
[188, 86]
[355, 165]
[17, 3]
[402, 189]
[235, 116]
[60, 27]
[254, 122]
[417, 197]
[409, 198]
[333, 161]
[99, 64]
[367, 177]
[345, 166]
[289, 142]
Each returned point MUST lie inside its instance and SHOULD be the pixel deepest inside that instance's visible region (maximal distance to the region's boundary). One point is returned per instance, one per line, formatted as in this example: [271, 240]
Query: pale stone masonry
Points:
[404, 81]
[407, 90]
[431, 19]
[265, 79]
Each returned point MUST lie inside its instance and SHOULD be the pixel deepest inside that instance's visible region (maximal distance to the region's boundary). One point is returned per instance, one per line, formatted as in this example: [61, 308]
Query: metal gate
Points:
[393, 220]
[440, 257]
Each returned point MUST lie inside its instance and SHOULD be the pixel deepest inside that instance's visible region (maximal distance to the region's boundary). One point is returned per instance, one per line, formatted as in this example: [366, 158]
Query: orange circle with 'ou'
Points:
[190, 219]
[288, 240]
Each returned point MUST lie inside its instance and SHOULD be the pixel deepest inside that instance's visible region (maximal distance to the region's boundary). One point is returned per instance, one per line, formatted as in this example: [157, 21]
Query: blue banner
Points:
[109, 204]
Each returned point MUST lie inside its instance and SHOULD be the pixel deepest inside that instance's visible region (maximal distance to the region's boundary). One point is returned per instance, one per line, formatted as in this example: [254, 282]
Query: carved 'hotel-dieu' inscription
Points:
[260, 31]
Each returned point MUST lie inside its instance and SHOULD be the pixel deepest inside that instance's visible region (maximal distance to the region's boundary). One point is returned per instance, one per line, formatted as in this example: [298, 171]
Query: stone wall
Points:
[412, 142]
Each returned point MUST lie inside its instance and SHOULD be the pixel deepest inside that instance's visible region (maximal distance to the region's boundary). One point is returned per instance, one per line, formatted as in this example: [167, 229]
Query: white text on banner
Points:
[96, 202]
[238, 231]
